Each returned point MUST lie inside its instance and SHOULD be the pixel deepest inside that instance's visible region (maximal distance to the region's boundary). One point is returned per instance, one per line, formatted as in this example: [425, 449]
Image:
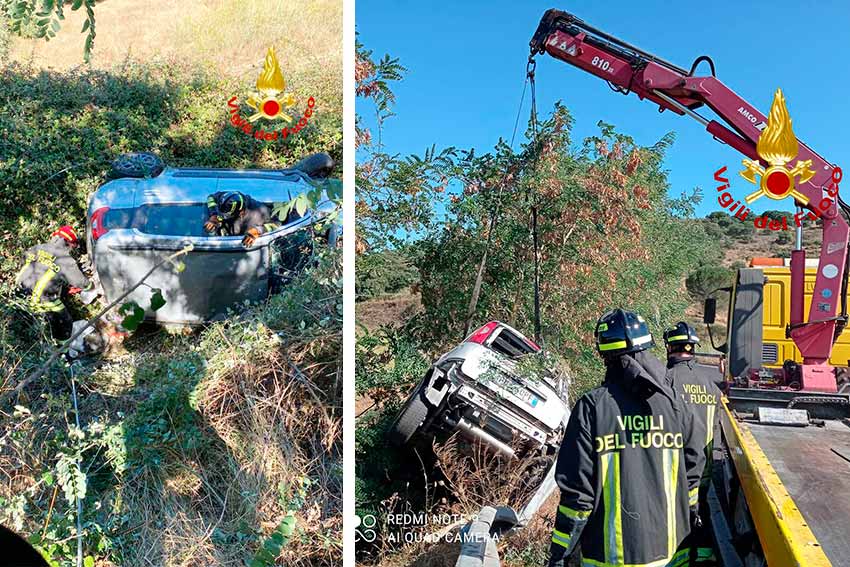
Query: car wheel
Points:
[411, 417]
[331, 235]
[136, 165]
[317, 166]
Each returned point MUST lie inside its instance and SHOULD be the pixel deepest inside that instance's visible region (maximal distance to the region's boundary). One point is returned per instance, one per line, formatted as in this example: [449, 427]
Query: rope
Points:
[79, 468]
[519, 110]
[479, 277]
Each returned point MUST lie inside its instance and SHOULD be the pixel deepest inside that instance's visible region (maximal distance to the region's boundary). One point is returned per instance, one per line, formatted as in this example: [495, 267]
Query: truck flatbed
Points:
[812, 464]
[796, 481]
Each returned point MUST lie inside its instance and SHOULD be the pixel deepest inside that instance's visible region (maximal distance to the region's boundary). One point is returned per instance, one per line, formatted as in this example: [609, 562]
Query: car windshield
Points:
[174, 219]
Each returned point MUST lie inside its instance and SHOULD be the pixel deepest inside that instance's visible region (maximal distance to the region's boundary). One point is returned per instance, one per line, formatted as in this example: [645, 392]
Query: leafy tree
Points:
[382, 272]
[705, 279]
[395, 196]
[43, 18]
[607, 230]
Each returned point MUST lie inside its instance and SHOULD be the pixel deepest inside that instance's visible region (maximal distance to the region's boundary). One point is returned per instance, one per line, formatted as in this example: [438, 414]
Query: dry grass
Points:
[392, 310]
[477, 477]
[230, 37]
[274, 434]
[466, 478]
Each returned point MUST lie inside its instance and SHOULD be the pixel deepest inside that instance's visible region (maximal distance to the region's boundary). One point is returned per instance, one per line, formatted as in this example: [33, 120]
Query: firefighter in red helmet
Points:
[49, 274]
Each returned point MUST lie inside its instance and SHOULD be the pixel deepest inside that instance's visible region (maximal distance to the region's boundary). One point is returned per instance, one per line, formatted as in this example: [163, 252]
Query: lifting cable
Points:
[494, 215]
[532, 64]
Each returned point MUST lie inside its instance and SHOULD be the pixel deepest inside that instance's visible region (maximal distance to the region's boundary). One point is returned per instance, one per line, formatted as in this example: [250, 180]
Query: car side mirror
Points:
[709, 311]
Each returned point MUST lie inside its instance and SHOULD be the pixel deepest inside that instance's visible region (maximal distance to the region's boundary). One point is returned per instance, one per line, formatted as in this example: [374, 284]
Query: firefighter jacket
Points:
[48, 269]
[628, 470]
[697, 388]
[255, 215]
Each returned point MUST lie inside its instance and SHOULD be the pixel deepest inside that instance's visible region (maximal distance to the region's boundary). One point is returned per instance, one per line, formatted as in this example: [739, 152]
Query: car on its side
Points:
[482, 390]
[148, 211]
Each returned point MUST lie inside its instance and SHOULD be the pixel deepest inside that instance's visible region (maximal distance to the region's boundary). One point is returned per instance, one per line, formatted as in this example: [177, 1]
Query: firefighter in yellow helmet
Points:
[49, 274]
[628, 468]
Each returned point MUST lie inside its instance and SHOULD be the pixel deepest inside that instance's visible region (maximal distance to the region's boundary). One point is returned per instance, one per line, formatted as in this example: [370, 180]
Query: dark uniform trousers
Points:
[49, 269]
[257, 215]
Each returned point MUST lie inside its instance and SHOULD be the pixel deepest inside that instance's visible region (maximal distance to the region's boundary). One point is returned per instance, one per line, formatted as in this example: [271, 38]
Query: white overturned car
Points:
[480, 390]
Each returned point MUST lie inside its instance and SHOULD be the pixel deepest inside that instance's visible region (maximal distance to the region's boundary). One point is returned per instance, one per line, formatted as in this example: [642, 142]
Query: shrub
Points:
[778, 215]
[741, 230]
[720, 218]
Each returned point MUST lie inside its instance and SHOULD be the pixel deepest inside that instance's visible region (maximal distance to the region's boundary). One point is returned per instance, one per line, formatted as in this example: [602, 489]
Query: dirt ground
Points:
[389, 310]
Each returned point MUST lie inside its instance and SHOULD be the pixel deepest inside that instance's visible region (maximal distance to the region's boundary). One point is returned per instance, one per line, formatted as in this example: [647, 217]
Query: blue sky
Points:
[467, 60]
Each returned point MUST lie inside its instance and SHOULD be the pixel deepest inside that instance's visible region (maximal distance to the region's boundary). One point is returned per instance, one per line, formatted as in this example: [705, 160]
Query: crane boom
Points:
[628, 69]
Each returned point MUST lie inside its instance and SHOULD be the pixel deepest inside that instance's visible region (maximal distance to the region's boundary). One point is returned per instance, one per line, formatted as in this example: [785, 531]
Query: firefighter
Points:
[231, 213]
[628, 468]
[697, 388]
[49, 270]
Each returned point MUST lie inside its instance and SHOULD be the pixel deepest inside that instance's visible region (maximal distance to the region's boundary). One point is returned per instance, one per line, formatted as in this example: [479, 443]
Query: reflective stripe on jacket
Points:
[625, 470]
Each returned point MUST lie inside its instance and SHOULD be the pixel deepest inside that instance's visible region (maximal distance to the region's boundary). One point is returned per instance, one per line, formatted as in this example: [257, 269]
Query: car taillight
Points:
[97, 227]
[531, 343]
[481, 334]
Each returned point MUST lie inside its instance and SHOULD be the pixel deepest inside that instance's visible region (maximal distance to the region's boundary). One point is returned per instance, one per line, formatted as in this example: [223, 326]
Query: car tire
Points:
[317, 166]
[411, 417]
[136, 165]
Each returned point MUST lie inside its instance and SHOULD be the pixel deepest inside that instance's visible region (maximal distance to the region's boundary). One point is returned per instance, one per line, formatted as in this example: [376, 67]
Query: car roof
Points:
[193, 185]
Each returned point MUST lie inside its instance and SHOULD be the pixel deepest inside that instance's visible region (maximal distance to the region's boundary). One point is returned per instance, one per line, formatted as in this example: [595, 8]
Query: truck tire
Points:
[411, 417]
[136, 165]
[317, 166]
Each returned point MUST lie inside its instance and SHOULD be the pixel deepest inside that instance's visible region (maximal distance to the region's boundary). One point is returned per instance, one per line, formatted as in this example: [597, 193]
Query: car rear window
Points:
[167, 219]
[510, 344]
[172, 219]
[120, 218]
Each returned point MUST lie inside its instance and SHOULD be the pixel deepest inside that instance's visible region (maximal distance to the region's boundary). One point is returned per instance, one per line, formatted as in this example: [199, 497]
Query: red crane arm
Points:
[628, 69]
